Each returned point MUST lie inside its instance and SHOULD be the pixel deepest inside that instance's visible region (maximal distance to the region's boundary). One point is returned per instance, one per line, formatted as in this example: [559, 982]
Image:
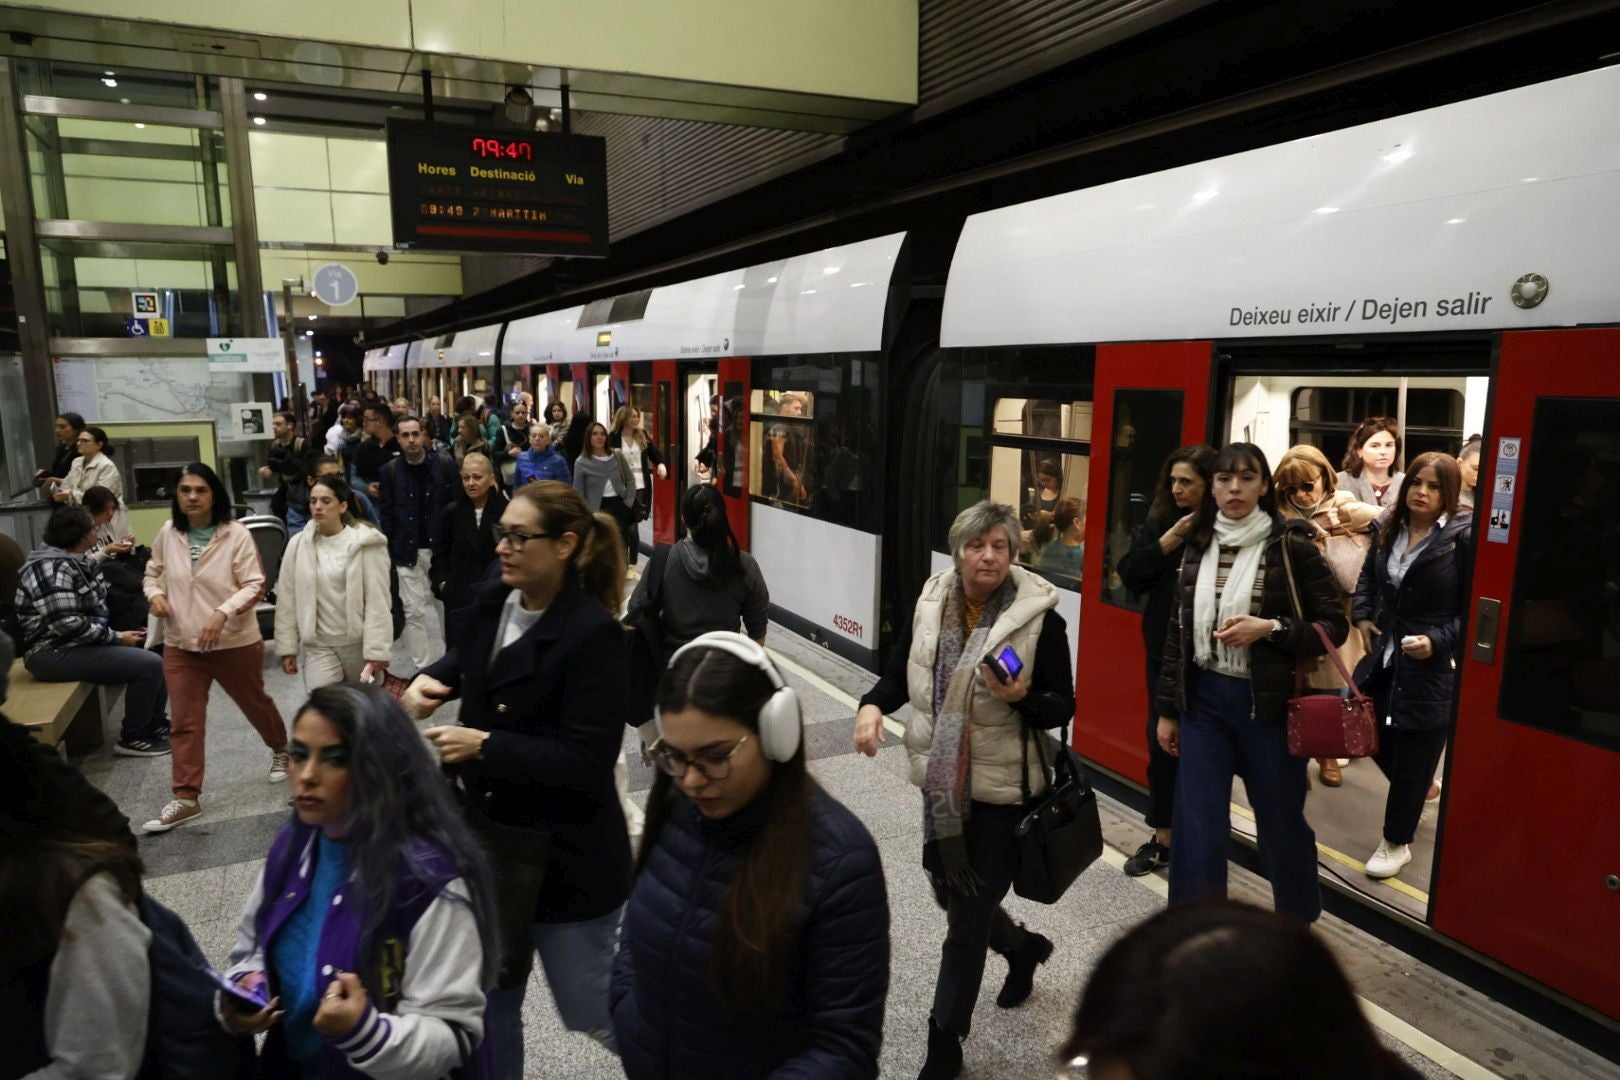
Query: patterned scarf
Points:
[948, 780]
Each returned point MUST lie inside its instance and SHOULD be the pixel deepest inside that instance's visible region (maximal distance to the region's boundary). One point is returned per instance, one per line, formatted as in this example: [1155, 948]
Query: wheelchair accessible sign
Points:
[256, 356]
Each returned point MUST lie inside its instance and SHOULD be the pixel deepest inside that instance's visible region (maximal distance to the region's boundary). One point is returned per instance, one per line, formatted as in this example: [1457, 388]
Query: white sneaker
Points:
[278, 766]
[1387, 861]
[178, 812]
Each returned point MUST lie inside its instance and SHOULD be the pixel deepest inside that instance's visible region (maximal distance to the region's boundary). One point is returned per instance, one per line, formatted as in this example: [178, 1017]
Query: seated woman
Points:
[756, 940]
[1063, 549]
[371, 929]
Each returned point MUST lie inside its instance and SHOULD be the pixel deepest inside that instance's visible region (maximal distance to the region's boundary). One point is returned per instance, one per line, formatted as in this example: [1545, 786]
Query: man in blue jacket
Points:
[414, 490]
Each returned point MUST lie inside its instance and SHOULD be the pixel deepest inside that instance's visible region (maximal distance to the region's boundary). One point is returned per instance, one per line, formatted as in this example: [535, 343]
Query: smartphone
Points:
[239, 996]
[1409, 639]
[1005, 664]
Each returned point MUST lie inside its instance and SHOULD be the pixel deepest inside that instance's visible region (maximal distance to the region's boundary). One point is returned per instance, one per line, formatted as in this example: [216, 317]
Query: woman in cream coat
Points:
[332, 601]
[966, 746]
[94, 468]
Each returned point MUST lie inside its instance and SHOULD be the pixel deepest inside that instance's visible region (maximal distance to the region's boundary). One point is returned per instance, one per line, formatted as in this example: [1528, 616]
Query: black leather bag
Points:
[1060, 833]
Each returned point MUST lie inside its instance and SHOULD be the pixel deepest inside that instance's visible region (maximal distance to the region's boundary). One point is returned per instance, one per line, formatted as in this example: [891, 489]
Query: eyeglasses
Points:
[516, 538]
[1305, 486]
[712, 766]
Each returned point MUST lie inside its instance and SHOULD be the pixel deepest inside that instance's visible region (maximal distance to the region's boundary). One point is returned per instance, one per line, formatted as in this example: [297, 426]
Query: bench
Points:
[62, 715]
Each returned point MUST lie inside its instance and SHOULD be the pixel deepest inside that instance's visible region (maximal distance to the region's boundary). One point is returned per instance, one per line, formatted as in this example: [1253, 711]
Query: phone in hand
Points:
[1004, 665]
[238, 996]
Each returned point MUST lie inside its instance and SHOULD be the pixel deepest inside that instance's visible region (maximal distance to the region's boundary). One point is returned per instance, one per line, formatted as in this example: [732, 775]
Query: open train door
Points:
[731, 477]
[1148, 399]
[1529, 848]
[663, 425]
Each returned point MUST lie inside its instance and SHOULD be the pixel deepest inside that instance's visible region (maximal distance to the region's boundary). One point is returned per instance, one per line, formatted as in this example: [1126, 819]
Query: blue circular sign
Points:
[336, 285]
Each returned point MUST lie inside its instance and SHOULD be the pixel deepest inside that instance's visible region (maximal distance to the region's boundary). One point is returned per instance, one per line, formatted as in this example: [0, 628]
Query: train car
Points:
[1453, 268]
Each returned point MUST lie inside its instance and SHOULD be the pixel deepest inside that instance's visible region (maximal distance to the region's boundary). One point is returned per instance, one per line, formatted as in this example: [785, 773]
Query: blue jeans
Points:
[578, 961]
[296, 520]
[140, 672]
[1220, 738]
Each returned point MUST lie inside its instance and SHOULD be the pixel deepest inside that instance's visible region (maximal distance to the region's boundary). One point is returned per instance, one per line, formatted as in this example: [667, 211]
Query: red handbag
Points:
[1327, 725]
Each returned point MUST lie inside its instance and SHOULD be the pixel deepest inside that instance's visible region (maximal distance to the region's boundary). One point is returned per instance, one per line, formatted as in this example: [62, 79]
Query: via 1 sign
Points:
[479, 188]
[335, 285]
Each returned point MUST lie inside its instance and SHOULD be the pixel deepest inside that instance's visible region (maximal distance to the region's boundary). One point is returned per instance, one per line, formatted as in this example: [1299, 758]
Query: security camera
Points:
[382, 258]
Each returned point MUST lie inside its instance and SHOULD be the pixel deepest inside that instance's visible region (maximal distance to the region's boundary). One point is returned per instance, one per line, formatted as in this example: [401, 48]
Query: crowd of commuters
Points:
[424, 870]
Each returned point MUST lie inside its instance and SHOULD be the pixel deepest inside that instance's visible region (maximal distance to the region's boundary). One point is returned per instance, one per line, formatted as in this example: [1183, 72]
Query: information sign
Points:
[459, 188]
[263, 356]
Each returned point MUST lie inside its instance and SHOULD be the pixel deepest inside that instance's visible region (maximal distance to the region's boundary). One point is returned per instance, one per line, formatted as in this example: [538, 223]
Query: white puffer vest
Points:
[996, 728]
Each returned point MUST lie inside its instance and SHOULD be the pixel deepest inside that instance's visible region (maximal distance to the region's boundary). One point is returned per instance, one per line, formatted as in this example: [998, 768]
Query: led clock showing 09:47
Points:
[513, 150]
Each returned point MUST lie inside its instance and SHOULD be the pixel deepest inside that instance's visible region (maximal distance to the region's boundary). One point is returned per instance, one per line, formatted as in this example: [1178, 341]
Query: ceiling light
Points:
[1326, 210]
[109, 83]
[807, 292]
[734, 288]
[109, 74]
[317, 352]
[312, 318]
[1531, 179]
[318, 361]
[140, 127]
[259, 120]
[770, 281]
[831, 269]
[859, 284]
[260, 95]
[309, 333]
[1455, 220]
[1205, 195]
[123, 101]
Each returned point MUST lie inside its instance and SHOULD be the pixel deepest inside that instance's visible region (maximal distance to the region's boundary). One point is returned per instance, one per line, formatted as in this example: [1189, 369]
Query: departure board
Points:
[459, 188]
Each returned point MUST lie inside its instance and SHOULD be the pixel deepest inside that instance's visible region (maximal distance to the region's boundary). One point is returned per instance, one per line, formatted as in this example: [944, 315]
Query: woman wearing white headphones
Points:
[756, 938]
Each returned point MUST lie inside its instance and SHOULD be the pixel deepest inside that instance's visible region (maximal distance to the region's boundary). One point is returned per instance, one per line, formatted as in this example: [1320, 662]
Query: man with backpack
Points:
[289, 463]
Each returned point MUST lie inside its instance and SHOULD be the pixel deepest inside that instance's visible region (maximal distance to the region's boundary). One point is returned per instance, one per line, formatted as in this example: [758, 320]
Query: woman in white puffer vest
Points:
[333, 602]
[966, 745]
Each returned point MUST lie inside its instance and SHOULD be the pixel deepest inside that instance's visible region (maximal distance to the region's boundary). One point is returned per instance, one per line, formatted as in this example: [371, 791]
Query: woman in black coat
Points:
[464, 544]
[1149, 569]
[1229, 656]
[1410, 602]
[543, 675]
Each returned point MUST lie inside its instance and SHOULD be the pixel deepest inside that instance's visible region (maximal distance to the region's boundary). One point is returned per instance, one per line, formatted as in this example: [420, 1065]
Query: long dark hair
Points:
[703, 509]
[1150, 1007]
[1446, 470]
[754, 939]
[1364, 431]
[101, 436]
[222, 498]
[598, 558]
[1200, 456]
[1231, 458]
[398, 797]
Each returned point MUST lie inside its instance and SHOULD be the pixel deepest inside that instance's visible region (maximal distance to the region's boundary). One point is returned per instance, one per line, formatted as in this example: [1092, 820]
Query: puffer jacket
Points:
[995, 728]
[365, 592]
[1271, 662]
[830, 1026]
[1417, 694]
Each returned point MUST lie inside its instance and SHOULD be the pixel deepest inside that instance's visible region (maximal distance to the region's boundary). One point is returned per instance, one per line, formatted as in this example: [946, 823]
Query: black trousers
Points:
[976, 923]
[1161, 766]
[1409, 759]
[625, 514]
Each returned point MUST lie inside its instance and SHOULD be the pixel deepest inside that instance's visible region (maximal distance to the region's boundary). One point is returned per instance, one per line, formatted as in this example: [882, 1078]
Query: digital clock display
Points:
[504, 149]
[458, 188]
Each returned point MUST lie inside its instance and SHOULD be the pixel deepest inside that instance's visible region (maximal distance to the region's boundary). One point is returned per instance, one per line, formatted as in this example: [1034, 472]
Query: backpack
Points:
[645, 639]
[183, 1039]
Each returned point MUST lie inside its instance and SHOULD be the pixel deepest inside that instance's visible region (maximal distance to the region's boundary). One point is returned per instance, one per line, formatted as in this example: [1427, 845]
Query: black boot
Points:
[1021, 966]
[944, 1054]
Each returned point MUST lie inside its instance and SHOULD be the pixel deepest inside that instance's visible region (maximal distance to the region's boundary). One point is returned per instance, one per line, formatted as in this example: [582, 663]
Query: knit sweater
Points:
[592, 476]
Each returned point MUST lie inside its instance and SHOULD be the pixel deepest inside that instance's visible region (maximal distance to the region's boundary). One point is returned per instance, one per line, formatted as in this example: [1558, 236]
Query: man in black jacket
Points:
[414, 490]
[289, 462]
[378, 448]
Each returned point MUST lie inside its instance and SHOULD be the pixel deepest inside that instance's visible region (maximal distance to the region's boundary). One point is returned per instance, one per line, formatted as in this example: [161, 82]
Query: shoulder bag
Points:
[645, 639]
[1327, 725]
[1060, 833]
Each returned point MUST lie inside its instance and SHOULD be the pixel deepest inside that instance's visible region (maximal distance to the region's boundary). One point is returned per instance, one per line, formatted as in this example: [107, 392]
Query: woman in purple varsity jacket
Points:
[371, 932]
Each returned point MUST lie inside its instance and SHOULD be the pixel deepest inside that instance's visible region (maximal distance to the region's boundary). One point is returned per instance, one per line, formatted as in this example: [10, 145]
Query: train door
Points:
[663, 423]
[1148, 400]
[732, 477]
[1529, 862]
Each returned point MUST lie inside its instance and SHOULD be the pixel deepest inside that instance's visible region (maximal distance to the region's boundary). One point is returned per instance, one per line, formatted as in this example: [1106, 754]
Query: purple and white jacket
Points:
[430, 1019]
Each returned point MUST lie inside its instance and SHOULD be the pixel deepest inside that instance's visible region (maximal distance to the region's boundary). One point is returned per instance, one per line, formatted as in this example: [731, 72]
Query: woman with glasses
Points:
[756, 940]
[543, 676]
[94, 468]
[1341, 529]
[370, 935]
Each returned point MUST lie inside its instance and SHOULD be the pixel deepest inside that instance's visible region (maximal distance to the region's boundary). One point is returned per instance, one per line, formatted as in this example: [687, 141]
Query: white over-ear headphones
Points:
[780, 721]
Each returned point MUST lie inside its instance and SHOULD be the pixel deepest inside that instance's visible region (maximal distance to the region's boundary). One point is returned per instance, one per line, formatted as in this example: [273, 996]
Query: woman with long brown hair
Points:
[542, 673]
[756, 940]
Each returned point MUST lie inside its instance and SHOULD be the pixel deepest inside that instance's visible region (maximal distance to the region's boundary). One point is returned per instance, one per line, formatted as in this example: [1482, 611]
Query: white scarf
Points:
[1247, 534]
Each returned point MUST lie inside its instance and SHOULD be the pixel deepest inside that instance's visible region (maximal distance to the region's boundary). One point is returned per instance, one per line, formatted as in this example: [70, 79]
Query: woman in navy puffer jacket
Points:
[756, 940]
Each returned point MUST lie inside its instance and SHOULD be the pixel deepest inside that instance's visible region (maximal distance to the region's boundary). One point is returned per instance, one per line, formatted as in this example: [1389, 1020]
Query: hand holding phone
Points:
[1004, 665]
[248, 995]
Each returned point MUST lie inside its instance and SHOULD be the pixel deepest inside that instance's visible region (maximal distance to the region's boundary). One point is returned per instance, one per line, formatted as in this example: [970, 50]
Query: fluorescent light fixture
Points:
[1326, 210]
[140, 127]
[1531, 179]
[770, 281]
[309, 333]
[807, 292]
[312, 318]
[259, 121]
[109, 83]
[831, 269]
[1455, 220]
[260, 95]
[859, 284]
[736, 288]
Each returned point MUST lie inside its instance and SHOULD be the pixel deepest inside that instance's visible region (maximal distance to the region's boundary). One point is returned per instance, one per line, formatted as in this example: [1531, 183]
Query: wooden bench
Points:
[63, 715]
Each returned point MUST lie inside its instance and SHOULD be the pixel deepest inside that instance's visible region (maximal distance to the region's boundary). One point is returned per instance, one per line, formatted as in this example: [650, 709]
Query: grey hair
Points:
[979, 519]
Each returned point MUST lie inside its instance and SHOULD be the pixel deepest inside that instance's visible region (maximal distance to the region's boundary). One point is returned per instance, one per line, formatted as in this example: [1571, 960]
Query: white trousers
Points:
[417, 597]
[324, 665]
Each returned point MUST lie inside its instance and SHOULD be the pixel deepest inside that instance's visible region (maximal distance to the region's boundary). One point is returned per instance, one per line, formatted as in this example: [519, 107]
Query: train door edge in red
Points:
[1111, 702]
[665, 426]
[1529, 859]
[735, 382]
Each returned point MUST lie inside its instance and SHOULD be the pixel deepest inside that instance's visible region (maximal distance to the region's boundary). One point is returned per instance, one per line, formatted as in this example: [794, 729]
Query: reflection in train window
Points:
[733, 439]
[1561, 668]
[1040, 464]
[799, 403]
[1325, 416]
[1146, 429]
[812, 436]
[1043, 419]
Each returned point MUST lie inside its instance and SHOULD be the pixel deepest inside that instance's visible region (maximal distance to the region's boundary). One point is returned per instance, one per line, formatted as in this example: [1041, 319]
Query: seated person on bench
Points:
[62, 608]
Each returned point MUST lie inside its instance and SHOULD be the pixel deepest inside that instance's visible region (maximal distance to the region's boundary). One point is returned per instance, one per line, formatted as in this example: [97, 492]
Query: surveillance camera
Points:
[382, 258]
[21, 38]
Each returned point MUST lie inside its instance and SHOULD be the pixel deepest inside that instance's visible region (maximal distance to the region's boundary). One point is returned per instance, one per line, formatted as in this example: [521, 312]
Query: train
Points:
[1454, 268]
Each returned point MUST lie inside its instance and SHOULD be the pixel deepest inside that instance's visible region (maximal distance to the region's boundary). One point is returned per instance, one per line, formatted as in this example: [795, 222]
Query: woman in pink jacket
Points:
[204, 581]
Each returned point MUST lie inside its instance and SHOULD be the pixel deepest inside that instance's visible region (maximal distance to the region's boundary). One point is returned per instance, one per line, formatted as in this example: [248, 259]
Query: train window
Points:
[1040, 464]
[813, 427]
[1325, 416]
[1146, 429]
[795, 403]
[1561, 667]
[1043, 419]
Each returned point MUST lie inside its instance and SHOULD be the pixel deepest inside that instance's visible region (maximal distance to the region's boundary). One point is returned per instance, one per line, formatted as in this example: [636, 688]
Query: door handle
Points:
[1486, 627]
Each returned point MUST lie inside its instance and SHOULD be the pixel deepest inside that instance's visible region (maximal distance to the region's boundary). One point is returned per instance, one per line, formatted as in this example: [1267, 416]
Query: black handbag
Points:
[1060, 833]
[645, 640]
